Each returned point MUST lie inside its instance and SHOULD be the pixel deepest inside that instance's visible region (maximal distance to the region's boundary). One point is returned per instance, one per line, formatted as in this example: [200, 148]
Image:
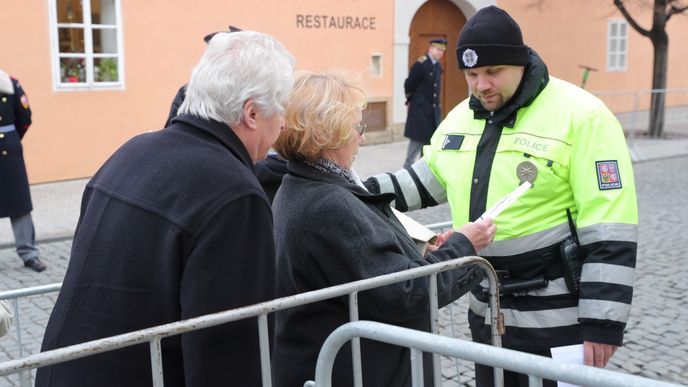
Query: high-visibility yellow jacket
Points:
[582, 161]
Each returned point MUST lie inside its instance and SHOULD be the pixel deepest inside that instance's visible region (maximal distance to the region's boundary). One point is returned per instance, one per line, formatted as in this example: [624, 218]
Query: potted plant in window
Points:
[73, 71]
[107, 70]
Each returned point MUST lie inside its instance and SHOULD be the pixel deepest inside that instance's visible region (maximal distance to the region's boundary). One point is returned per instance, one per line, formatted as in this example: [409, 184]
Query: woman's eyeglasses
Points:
[360, 128]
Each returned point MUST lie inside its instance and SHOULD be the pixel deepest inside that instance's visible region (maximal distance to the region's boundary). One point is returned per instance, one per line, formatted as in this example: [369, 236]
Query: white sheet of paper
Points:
[415, 229]
[420, 234]
[571, 354]
[507, 200]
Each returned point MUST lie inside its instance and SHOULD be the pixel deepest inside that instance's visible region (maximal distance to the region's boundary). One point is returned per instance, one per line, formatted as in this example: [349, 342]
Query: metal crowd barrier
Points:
[633, 109]
[440, 227]
[536, 367]
[14, 296]
[155, 334]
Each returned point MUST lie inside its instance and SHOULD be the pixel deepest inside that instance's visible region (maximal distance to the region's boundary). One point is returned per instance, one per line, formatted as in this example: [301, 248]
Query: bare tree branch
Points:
[620, 5]
[674, 10]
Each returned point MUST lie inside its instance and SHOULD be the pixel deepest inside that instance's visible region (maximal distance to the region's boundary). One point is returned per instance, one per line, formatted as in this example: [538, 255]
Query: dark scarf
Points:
[329, 166]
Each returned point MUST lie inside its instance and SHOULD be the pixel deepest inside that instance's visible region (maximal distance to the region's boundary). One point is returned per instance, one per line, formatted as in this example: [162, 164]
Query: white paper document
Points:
[507, 200]
[420, 234]
[571, 354]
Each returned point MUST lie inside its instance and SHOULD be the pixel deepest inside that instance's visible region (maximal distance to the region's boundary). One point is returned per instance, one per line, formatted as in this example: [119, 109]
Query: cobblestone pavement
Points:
[656, 340]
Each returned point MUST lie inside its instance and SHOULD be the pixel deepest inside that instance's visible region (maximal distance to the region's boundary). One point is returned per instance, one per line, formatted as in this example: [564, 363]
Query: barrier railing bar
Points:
[145, 335]
[417, 378]
[156, 363]
[356, 361]
[439, 226]
[264, 342]
[522, 362]
[647, 91]
[32, 291]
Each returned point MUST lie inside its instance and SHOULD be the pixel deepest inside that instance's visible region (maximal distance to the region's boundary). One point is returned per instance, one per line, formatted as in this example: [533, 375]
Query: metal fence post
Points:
[156, 363]
[263, 339]
[416, 368]
[356, 343]
[435, 327]
[24, 376]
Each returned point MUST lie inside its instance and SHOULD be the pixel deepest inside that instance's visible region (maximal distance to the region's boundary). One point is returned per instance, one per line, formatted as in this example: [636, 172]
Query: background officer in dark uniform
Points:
[422, 89]
[15, 197]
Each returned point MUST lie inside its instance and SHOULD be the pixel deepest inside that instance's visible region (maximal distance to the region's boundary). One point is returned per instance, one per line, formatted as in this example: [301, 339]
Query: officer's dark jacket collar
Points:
[534, 80]
[303, 170]
[218, 130]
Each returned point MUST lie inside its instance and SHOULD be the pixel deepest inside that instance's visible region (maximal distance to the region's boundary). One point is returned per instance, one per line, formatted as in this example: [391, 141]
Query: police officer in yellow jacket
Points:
[520, 124]
[15, 197]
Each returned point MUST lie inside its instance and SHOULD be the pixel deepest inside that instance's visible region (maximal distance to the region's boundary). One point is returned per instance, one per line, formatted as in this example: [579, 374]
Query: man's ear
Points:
[249, 113]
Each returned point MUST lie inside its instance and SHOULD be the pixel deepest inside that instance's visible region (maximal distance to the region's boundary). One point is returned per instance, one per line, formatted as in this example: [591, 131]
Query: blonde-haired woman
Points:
[330, 230]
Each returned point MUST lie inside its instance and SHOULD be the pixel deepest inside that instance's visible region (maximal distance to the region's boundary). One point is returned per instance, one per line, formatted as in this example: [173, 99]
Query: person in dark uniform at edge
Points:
[269, 171]
[15, 196]
[422, 89]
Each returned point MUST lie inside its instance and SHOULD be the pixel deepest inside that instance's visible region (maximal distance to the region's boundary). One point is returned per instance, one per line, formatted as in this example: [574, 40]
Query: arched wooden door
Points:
[440, 19]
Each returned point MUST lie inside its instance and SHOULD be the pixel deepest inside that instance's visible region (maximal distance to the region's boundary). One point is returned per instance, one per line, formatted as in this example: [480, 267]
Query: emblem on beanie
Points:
[470, 58]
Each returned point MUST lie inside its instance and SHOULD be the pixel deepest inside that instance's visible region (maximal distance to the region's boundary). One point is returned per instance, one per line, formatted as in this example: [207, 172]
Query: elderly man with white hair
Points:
[175, 225]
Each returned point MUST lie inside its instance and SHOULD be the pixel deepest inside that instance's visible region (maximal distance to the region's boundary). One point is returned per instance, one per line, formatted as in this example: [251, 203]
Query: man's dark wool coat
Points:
[329, 232]
[173, 226]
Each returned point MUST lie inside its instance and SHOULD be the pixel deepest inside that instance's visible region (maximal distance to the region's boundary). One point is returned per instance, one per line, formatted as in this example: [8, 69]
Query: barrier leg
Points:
[417, 367]
[534, 381]
[435, 328]
[156, 363]
[355, 343]
[24, 376]
[264, 339]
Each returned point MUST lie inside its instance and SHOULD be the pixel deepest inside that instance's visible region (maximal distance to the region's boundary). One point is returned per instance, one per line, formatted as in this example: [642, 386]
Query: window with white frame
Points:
[617, 47]
[87, 43]
[376, 65]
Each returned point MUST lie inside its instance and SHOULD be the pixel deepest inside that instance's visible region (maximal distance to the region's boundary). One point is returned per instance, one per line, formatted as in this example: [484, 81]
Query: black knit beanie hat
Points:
[491, 38]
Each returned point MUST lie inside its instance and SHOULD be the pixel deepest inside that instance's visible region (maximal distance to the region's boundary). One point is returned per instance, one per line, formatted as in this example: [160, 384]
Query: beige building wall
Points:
[568, 34]
[75, 131]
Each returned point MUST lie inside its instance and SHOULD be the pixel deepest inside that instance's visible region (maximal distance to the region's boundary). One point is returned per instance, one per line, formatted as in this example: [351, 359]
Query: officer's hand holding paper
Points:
[506, 201]
[480, 233]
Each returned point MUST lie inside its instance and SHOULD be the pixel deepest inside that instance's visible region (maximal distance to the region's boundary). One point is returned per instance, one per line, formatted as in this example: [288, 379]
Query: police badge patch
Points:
[608, 175]
[452, 142]
[469, 57]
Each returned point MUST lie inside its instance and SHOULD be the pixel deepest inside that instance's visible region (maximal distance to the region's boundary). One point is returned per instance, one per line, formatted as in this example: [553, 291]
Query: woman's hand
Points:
[439, 240]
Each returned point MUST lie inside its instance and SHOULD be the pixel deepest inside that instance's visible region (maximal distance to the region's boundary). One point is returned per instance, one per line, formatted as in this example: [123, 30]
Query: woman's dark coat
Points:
[15, 197]
[173, 226]
[330, 232]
